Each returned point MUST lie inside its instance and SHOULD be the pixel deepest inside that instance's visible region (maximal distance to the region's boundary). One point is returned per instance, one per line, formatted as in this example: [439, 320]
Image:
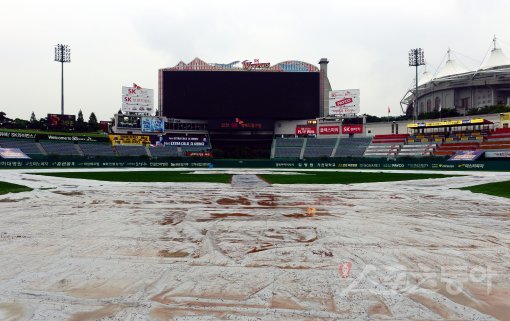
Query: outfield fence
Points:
[331, 163]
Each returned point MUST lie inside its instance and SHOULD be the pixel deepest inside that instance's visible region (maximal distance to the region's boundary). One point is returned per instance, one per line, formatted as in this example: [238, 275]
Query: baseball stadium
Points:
[254, 191]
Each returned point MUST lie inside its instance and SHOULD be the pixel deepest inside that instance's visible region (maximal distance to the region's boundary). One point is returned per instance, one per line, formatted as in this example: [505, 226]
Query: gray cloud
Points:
[115, 43]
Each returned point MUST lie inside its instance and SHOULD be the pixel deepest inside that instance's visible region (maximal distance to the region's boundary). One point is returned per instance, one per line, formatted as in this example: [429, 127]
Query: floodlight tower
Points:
[62, 54]
[416, 58]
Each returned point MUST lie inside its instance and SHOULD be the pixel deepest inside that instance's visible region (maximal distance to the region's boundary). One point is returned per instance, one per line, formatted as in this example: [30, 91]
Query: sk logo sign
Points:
[344, 269]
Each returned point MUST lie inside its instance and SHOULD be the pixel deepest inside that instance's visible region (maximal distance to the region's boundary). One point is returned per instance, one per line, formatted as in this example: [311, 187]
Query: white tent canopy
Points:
[497, 58]
[451, 67]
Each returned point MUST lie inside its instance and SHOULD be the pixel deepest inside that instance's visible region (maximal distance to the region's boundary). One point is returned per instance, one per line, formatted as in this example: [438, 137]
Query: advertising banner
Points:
[473, 121]
[502, 154]
[466, 155]
[344, 102]
[129, 139]
[329, 130]
[153, 125]
[180, 140]
[198, 154]
[56, 121]
[52, 137]
[352, 129]
[241, 124]
[306, 130]
[137, 100]
[12, 153]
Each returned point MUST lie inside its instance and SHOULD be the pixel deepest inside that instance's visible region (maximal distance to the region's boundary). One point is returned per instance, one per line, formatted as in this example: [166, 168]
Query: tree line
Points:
[80, 125]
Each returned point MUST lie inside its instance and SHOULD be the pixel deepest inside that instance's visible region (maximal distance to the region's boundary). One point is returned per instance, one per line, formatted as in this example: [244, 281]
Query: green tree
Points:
[80, 123]
[20, 123]
[93, 124]
[33, 122]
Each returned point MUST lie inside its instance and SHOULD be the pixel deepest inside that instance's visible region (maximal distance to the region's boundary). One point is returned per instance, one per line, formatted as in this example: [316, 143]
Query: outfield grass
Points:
[344, 177]
[501, 189]
[12, 188]
[145, 176]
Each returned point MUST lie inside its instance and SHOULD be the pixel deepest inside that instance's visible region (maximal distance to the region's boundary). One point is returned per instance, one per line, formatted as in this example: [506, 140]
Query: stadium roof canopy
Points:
[451, 67]
[496, 59]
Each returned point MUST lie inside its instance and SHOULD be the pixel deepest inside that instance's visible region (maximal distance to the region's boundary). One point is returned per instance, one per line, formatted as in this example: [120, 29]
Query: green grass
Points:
[344, 177]
[501, 189]
[145, 176]
[12, 188]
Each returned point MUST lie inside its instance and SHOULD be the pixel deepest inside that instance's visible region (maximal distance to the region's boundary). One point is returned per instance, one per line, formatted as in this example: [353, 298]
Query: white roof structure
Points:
[425, 78]
[496, 59]
[451, 67]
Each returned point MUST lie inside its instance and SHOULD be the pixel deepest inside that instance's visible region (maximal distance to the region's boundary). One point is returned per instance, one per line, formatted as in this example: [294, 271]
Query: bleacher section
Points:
[61, 148]
[288, 147]
[131, 150]
[28, 147]
[352, 147]
[319, 147]
[164, 151]
[497, 141]
[448, 149]
[385, 145]
[417, 150]
[96, 149]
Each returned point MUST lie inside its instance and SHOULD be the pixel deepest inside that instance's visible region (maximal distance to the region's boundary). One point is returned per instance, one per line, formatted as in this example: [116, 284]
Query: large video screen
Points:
[250, 95]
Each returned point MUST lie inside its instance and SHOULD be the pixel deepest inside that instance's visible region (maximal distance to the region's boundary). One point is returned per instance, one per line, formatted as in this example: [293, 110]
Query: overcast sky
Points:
[116, 43]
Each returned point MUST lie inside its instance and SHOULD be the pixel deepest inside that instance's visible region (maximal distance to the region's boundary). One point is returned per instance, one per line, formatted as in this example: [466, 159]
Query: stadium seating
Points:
[288, 147]
[447, 148]
[97, 149]
[498, 140]
[164, 151]
[61, 148]
[131, 150]
[385, 145]
[352, 147]
[28, 147]
[322, 147]
[417, 150]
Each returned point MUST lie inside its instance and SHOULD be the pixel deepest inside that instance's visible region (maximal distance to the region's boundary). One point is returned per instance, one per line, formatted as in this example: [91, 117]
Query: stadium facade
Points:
[456, 87]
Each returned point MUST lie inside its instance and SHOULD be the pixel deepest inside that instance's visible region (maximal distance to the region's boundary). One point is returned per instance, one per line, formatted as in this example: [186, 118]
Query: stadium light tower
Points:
[62, 54]
[416, 58]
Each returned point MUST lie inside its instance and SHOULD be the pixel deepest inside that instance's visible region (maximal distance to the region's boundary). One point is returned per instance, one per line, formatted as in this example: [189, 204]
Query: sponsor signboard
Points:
[466, 155]
[190, 140]
[52, 137]
[344, 102]
[129, 139]
[198, 154]
[241, 124]
[248, 65]
[55, 121]
[104, 125]
[501, 154]
[12, 153]
[153, 125]
[352, 129]
[329, 130]
[137, 100]
[306, 130]
[448, 123]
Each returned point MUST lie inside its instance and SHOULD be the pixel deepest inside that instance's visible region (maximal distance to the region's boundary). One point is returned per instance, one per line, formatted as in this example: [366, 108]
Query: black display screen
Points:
[250, 95]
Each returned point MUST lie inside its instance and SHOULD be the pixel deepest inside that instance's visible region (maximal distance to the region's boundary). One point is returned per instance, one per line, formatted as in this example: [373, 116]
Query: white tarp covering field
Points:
[418, 250]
